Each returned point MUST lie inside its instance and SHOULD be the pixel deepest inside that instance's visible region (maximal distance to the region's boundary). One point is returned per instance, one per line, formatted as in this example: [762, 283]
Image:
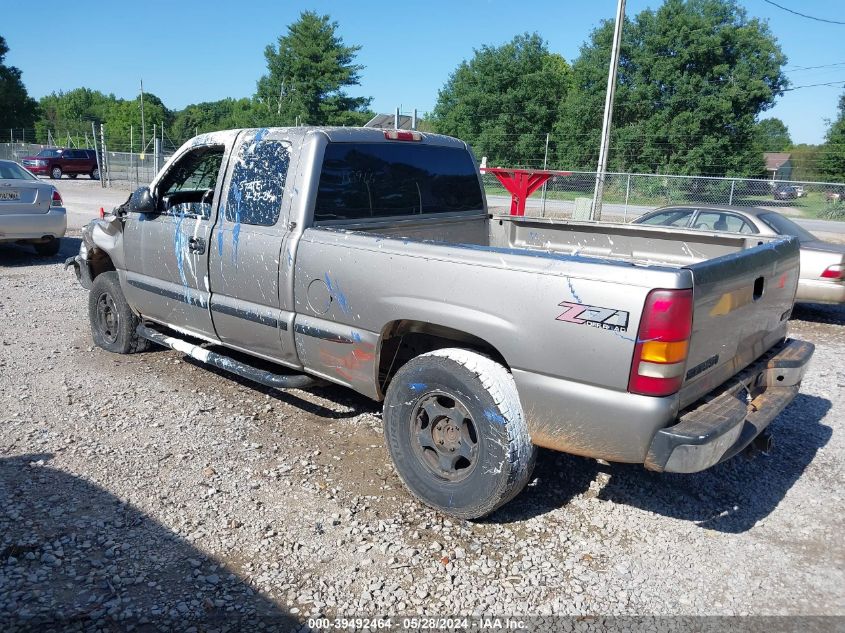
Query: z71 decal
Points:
[594, 316]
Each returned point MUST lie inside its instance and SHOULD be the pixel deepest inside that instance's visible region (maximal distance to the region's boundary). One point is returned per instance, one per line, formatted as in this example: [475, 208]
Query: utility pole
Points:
[545, 166]
[143, 129]
[595, 212]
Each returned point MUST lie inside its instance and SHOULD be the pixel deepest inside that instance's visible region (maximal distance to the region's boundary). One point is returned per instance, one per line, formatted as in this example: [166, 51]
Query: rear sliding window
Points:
[374, 180]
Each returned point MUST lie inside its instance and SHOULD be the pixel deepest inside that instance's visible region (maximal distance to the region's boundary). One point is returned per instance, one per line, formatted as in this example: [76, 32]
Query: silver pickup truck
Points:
[367, 258]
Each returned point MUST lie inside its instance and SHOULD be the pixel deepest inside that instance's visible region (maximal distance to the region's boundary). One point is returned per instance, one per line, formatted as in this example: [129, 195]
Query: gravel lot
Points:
[150, 490]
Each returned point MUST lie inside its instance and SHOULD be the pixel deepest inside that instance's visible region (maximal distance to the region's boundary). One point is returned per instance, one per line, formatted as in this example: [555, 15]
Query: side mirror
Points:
[142, 201]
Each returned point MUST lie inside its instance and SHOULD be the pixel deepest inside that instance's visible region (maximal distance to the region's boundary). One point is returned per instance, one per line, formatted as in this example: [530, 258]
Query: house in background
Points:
[778, 165]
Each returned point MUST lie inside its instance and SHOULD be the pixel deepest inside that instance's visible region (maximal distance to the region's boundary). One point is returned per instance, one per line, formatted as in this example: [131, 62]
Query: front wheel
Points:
[56, 173]
[456, 433]
[112, 321]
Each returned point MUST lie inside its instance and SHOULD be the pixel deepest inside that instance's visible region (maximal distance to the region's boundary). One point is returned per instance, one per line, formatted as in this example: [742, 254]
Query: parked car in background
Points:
[31, 211]
[785, 192]
[822, 263]
[57, 161]
[799, 191]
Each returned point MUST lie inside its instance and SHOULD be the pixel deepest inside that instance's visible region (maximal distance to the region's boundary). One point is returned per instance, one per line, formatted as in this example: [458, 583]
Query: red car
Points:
[56, 161]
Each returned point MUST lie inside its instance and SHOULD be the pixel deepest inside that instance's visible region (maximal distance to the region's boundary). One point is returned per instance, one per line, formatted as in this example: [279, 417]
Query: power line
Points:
[829, 83]
[803, 15]
[797, 68]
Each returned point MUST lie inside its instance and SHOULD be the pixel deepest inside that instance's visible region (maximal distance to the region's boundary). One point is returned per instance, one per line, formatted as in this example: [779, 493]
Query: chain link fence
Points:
[122, 170]
[627, 196]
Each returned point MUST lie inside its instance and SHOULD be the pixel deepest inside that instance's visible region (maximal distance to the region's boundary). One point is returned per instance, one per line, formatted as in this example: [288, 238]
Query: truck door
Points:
[167, 252]
[246, 245]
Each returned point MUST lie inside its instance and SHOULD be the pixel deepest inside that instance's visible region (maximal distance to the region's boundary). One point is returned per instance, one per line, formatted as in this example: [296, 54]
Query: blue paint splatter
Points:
[572, 290]
[494, 416]
[290, 259]
[418, 386]
[236, 230]
[180, 246]
[337, 293]
[260, 134]
[356, 336]
[220, 236]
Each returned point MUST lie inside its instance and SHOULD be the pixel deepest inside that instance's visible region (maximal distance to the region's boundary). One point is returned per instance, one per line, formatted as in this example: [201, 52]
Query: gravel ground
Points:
[150, 490]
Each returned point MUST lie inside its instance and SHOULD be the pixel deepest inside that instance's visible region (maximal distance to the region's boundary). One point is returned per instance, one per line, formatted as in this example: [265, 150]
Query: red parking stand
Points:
[521, 183]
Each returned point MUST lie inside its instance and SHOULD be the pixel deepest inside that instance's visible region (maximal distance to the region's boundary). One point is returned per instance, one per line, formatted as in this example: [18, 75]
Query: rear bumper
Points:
[729, 418]
[33, 226]
[820, 291]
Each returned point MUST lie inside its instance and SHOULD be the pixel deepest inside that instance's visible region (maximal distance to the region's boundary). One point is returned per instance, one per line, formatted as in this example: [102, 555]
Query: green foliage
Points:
[17, 108]
[72, 113]
[504, 99]
[772, 135]
[693, 77]
[308, 71]
[805, 162]
[832, 158]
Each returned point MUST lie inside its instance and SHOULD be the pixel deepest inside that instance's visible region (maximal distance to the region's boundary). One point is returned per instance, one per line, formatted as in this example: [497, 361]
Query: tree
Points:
[17, 108]
[772, 135]
[308, 71]
[693, 77]
[832, 155]
[504, 100]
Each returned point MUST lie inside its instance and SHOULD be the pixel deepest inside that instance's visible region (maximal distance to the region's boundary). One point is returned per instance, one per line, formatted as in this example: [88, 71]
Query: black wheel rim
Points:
[444, 436]
[108, 319]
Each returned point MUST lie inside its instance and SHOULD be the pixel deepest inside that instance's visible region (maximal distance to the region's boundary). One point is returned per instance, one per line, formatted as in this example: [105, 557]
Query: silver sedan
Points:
[822, 263]
[31, 211]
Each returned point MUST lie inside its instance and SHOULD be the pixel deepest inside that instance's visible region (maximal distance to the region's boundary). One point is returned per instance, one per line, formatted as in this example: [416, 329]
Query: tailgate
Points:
[742, 303]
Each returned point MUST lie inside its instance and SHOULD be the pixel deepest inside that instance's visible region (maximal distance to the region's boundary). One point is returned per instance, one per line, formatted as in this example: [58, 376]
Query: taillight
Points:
[836, 271]
[57, 199]
[660, 354]
[402, 135]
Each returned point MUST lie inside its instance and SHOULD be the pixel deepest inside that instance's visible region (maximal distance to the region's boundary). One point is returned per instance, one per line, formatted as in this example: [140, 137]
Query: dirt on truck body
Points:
[368, 258]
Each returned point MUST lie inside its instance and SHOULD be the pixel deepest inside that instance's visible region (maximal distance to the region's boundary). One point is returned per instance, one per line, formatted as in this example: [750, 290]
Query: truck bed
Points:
[743, 286]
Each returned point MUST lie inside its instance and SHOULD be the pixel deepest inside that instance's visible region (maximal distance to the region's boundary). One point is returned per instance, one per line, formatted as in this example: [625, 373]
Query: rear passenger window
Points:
[372, 180]
[258, 182]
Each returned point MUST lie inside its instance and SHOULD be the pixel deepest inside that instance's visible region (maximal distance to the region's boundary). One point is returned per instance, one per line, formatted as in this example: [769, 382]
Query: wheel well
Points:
[403, 340]
[99, 262]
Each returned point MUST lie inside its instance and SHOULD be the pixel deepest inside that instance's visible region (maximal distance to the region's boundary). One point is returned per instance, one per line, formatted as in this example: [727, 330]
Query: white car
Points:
[31, 211]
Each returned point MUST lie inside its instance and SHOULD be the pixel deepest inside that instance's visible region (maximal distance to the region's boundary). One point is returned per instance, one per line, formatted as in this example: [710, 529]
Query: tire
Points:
[455, 430]
[112, 321]
[72, 176]
[56, 173]
[95, 174]
[48, 249]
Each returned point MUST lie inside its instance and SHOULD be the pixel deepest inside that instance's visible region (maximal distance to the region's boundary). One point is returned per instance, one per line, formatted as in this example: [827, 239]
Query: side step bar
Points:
[267, 378]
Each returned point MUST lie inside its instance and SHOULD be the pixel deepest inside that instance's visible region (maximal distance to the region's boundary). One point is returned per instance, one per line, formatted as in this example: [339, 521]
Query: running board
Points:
[261, 376]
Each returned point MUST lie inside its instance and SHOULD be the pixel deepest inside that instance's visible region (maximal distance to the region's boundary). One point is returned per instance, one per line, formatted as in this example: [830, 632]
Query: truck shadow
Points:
[18, 255]
[350, 403]
[733, 496]
[75, 556]
[730, 497]
[819, 313]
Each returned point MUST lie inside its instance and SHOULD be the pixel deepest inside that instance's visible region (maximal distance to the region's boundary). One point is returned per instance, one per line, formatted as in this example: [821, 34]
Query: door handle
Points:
[196, 245]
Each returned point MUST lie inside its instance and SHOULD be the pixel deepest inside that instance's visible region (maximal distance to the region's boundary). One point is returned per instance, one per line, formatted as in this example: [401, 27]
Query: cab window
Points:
[188, 187]
[258, 182]
[717, 221]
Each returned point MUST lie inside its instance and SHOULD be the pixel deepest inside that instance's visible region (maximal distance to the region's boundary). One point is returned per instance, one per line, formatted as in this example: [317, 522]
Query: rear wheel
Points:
[455, 431]
[56, 172]
[112, 321]
[48, 249]
[95, 174]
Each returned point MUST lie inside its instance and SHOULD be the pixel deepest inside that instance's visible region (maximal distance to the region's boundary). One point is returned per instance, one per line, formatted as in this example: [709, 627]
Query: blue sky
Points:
[189, 51]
